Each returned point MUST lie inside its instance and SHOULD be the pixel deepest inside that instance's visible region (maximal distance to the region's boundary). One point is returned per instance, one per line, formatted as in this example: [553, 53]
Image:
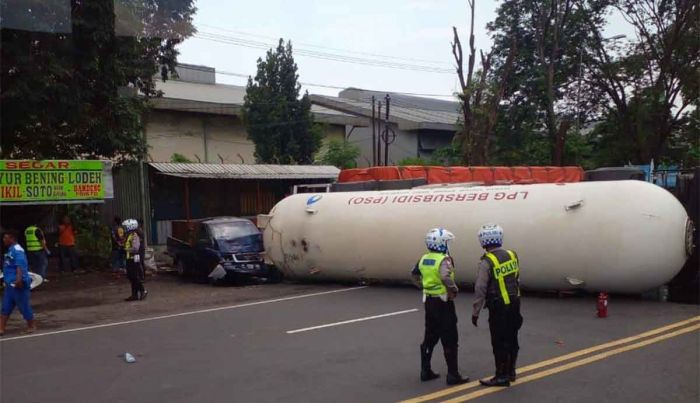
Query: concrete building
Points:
[421, 125]
[201, 120]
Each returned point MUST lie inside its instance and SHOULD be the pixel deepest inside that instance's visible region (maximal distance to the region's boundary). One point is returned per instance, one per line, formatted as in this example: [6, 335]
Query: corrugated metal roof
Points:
[244, 171]
[224, 99]
[413, 115]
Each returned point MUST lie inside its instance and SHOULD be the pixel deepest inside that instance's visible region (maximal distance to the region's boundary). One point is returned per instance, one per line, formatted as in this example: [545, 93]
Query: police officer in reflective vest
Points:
[134, 269]
[37, 251]
[434, 274]
[498, 286]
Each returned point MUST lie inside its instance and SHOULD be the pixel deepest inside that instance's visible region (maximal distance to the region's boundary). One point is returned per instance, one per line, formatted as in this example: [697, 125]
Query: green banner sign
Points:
[51, 181]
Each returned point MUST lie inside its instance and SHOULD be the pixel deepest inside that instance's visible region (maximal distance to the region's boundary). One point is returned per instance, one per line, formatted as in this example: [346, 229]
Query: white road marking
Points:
[221, 308]
[345, 322]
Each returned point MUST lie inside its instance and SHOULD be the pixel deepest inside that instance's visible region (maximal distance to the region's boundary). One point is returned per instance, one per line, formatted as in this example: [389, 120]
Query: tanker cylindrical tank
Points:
[622, 236]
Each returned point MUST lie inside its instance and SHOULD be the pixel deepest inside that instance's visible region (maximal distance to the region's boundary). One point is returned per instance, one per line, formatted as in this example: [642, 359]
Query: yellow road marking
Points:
[574, 364]
[555, 360]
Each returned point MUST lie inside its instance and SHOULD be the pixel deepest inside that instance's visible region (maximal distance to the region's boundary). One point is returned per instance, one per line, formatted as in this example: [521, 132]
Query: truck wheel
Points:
[181, 268]
[275, 276]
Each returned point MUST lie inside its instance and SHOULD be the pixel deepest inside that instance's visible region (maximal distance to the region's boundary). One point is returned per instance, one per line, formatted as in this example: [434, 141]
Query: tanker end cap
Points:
[689, 236]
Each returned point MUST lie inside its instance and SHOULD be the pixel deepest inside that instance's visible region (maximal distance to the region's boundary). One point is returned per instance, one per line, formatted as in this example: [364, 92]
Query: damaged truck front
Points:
[219, 249]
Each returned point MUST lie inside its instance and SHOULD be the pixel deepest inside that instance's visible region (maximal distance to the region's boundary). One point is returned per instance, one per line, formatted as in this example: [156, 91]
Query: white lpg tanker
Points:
[618, 236]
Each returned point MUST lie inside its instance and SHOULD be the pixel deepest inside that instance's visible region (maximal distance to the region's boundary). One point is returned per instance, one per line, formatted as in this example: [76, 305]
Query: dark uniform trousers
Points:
[441, 325]
[504, 323]
[135, 274]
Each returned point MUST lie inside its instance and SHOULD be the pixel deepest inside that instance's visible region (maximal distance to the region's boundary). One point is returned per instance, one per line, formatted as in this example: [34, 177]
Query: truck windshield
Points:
[233, 230]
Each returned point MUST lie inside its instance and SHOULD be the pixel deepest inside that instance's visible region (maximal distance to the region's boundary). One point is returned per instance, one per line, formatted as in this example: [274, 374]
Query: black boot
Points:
[453, 375]
[501, 377]
[143, 294]
[134, 294]
[511, 366]
[426, 373]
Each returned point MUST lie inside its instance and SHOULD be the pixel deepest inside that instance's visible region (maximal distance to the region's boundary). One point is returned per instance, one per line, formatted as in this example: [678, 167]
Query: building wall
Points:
[207, 138]
[431, 140]
[169, 132]
[405, 145]
[227, 141]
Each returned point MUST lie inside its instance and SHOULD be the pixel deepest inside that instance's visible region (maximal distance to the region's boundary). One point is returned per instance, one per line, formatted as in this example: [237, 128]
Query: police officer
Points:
[498, 286]
[134, 269]
[434, 274]
[17, 283]
[37, 251]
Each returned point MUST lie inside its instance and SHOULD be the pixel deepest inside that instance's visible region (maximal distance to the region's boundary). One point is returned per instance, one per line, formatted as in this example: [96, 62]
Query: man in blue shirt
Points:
[17, 283]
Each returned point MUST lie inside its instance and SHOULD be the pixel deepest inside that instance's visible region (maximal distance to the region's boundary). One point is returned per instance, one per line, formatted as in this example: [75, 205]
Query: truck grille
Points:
[247, 257]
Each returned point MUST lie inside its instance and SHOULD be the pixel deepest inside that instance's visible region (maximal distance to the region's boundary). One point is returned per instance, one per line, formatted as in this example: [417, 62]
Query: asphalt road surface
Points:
[356, 344]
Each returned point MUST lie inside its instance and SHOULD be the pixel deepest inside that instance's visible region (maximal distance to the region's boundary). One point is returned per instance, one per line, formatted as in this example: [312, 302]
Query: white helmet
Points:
[130, 225]
[437, 238]
[490, 235]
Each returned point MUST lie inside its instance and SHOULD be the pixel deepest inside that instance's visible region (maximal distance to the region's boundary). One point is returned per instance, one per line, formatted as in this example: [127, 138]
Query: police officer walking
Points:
[498, 286]
[134, 269]
[37, 251]
[434, 274]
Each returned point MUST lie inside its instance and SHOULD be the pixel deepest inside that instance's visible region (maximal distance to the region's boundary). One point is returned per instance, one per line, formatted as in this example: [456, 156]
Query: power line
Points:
[335, 87]
[323, 55]
[410, 59]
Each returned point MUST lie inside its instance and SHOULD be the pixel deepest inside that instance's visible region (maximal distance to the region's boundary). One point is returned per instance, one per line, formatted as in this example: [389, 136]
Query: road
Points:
[353, 344]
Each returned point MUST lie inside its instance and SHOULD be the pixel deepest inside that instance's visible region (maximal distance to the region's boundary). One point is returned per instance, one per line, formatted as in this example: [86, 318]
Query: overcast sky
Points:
[398, 30]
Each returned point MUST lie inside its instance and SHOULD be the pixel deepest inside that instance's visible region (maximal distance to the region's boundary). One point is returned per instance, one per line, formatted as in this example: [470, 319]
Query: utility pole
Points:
[379, 130]
[374, 134]
[387, 100]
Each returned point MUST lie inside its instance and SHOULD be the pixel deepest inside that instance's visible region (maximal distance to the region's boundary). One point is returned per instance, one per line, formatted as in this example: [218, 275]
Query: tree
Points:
[479, 97]
[278, 121]
[71, 70]
[543, 88]
[341, 153]
[450, 155]
[652, 88]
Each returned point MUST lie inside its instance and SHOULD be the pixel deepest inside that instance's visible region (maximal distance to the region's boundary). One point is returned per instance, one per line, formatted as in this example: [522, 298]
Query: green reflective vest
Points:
[510, 267]
[429, 267]
[33, 243]
[129, 245]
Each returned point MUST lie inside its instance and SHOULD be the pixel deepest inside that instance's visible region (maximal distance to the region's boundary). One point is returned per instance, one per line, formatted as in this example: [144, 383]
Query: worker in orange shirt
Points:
[66, 245]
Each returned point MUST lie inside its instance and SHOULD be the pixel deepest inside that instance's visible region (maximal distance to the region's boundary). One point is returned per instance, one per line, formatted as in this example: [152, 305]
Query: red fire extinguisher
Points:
[603, 305]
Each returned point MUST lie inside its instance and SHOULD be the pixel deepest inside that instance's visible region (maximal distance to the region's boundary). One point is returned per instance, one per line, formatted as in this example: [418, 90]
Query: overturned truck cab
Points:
[217, 249]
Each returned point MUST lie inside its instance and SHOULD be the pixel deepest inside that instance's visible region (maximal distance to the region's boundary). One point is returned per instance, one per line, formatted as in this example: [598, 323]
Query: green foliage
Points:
[639, 99]
[93, 238]
[652, 87]
[413, 161]
[177, 157]
[341, 153]
[443, 156]
[68, 83]
[446, 156]
[278, 121]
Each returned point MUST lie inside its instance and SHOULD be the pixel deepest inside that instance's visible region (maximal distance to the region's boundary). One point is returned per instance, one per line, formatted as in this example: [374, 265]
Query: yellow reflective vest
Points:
[33, 242]
[429, 267]
[507, 271]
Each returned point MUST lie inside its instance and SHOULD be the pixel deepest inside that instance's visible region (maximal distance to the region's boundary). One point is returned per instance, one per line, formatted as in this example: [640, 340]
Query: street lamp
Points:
[580, 77]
